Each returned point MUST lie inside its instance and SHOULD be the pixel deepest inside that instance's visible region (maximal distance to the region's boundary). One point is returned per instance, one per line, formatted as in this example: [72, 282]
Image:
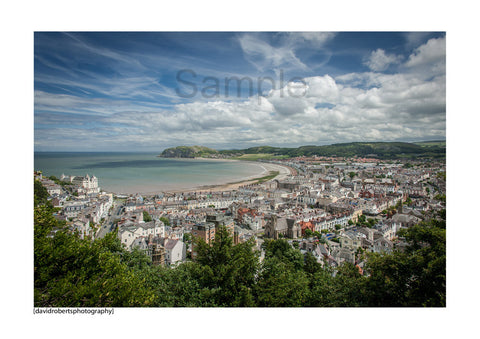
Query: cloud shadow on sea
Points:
[141, 164]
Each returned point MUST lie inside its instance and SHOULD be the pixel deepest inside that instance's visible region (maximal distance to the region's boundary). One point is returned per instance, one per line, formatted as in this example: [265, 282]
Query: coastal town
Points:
[335, 208]
[240, 171]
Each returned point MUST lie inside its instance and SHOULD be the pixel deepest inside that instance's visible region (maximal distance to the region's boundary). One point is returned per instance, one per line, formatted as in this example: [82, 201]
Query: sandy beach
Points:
[284, 172]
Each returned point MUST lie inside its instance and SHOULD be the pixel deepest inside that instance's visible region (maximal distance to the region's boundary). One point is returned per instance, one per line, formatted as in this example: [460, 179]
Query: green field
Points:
[431, 143]
[260, 156]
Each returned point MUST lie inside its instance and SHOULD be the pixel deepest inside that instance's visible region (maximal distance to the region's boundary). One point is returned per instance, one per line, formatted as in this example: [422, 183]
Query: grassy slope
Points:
[381, 150]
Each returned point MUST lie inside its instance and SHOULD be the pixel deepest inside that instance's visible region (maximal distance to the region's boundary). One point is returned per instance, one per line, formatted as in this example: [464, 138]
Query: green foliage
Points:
[187, 152]
[280, 285]
[416, 277]
[187, 239]
[282, 281]
[146, 216]
[60, 182]
[259, 156]
[308, 233]
[349, 287]
[74, 272]
[311, 266]
[270, 176]
[40, 193]
[70, 272]
[282, 250]
[442, 175]
[165, 221]
[184, 286]
[382, 150]
[233, 268]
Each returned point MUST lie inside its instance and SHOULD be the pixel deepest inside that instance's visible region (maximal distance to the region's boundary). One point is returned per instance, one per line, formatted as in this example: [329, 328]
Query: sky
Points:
[146, 91]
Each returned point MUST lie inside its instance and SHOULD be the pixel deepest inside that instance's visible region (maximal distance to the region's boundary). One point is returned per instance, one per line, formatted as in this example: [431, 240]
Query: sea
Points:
[145, 173]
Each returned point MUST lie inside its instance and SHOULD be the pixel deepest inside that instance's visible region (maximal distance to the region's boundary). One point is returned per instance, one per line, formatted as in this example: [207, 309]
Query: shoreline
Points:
[283, 172]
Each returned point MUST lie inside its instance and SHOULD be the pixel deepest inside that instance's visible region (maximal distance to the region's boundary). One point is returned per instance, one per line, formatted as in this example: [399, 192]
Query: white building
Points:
[129, 233]
[328, 223]
[175, 251]
[71, 209]
[82, 226]
[219, 203]
[254, 222]
[89, 184]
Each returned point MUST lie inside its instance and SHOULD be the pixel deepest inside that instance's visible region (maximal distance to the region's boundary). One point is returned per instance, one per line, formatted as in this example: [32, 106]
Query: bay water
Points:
[127, 173]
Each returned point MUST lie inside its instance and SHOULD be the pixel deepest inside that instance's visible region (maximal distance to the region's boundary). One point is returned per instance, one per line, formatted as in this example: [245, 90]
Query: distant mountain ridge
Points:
[381, 150]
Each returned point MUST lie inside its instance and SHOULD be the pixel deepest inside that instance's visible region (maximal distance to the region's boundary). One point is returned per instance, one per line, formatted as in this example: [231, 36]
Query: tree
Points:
[187, 239]
[416, 277]
[40, 193]
[342, 287]
[311, 266]
[146, 216]
[184, 286]
[165, 221]
[308, 233]
[388, 279]
[282, 250]
[74, 272]
[233, 268]
[280, 285]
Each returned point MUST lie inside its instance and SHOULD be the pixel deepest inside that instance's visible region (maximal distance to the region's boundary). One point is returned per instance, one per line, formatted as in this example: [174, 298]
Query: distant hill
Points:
[380, 150]
[188, 152]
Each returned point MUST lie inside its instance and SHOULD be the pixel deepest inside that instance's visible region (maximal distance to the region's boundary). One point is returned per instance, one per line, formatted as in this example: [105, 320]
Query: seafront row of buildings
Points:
[334, 208]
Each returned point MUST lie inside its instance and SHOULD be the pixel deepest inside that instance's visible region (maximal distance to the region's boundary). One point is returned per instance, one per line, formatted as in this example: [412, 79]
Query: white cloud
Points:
[430, 53]
[370, 106]
[264, 56]
[318, 39]
[380, 61]
[414, 39]
[399, 106]
[323, 87]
